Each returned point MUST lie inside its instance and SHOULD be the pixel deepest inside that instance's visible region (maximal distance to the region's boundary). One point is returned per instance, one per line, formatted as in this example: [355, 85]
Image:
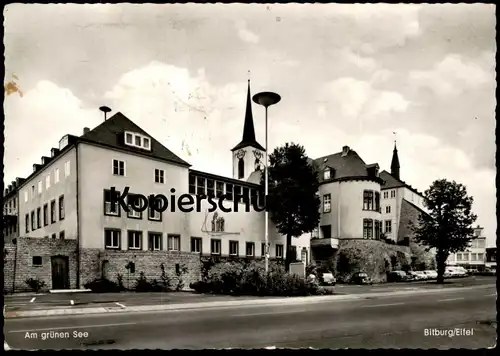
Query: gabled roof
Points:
[110, 133]
[391, 182]
[350, 165]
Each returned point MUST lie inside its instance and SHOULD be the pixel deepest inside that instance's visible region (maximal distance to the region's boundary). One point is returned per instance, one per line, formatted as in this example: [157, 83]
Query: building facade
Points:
[491, 257]
[473, 257]
[11, 211]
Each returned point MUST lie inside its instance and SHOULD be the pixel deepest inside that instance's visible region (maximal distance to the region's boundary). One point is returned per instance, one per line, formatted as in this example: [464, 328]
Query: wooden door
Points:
[60, 272]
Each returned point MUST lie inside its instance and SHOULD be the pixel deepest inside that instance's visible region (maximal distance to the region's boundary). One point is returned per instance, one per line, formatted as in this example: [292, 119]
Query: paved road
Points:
[385, 321]
[82, 300]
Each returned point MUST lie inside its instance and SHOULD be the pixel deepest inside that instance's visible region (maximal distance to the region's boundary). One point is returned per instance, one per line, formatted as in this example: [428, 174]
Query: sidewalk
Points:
[222, 302]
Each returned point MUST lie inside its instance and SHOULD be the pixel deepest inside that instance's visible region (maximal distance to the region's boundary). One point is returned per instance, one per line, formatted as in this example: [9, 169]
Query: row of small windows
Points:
[48, 179]
[371, 201]
[217, 189]
[54, 236]
[393, 194]
[372, 229]
[464, 256]
[10, 207]
[137, 140]
[115, 209]
[37, 219]
[112, 240]
[119, 169]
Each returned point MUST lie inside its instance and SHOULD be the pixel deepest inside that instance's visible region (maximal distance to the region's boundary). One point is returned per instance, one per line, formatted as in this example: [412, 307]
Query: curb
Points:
[225, 304]
[6, 346]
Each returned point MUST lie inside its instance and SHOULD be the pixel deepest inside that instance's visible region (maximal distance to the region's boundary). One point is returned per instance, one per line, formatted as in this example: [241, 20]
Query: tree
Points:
[292, 202]
[448, 226]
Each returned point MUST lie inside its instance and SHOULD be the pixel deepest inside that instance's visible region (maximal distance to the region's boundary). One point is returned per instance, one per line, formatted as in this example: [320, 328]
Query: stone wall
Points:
[373, 257]
[27, 248]
[9, 267]
[109, 264]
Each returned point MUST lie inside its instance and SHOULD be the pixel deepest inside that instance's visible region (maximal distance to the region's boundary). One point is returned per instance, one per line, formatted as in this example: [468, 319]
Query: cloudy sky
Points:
[348, 75]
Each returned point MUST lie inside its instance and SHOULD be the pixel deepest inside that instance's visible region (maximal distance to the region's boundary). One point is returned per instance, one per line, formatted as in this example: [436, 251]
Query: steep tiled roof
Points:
[350, 165]
[392, 182]
[110, 133]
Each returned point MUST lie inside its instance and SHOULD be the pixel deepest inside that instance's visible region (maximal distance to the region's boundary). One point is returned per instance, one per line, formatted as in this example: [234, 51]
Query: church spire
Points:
[248, 138]
[395, 163]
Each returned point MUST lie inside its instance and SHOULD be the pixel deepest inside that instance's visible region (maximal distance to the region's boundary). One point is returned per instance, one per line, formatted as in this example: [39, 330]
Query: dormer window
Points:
[63, 142]
[326, 174]
[137, 140]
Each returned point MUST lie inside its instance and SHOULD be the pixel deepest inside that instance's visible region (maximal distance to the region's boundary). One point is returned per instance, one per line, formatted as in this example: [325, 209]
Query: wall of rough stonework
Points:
[27, 248]
[373, 257]
[423, 259]
[145, 261]
[9, 267]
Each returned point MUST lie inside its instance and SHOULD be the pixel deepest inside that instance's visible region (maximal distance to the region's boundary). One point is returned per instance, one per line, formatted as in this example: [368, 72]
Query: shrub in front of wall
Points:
[143, 285]
[103, 285]
[36, 284]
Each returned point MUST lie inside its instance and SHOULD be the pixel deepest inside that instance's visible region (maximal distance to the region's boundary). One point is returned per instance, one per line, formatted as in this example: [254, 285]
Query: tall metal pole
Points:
[266, 191]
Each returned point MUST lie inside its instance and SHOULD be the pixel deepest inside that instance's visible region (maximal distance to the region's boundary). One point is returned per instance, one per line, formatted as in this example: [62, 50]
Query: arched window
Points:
[241, 168]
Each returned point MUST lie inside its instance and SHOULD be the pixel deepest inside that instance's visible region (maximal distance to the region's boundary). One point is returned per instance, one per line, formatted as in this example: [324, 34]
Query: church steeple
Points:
[395, 163]
[248, 127]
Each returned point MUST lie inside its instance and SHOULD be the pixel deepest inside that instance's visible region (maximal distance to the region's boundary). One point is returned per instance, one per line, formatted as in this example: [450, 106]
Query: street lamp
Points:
[266, 99]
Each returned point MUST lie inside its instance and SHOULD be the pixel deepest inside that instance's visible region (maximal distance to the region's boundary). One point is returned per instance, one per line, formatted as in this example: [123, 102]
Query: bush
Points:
[250, 278]
[143, 285]
[103, 285]
[36, 284]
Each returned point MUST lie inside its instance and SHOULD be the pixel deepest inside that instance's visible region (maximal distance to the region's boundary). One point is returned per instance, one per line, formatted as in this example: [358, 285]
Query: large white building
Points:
[474, 256]
[71, 233]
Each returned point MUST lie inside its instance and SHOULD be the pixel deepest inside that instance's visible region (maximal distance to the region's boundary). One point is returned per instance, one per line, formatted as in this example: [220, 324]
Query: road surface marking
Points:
[32, 299]
[72, 302]
[120, 305]
[72, 327]
[449, 300]
[381, 305]
[271, 313]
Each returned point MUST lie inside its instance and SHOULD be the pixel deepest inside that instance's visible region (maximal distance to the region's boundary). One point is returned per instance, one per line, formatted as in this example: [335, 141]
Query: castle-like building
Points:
[60, 224]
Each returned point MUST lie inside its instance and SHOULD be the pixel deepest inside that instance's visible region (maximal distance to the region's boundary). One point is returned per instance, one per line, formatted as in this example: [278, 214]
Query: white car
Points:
[451, 272]
[421, 275]
[431, 274]
[329, 279]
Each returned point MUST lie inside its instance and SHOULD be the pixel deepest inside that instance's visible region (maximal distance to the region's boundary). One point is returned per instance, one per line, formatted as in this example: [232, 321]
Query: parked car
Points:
[329, 279]
[455, 272]
[397, 276]
[421, 275]
[489, 272]
[431, 274]
[360, 278]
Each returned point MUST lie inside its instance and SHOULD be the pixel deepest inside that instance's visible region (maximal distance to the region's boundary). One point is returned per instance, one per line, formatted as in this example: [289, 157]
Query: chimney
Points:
[10, 188]
[85, 130]
[14, 184]
[345, 151]
[54, 152]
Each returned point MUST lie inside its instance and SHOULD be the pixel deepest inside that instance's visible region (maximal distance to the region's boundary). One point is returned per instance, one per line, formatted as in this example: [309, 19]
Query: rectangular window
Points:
[279, 251]
[113, 210]
[61, 207]
[67, 168]
[138, 140]
[229, 192]
[54, 236]
[52, 211]
[393, 193]
[40, 187]
[174, 243]
[26, 197]
[159, 176]
[154, 214]
[327, 203]
[133, 214]
[368, 229]
[27, 223]
[473, 256]
[480, 256]
[118, 168]
[481, 243]
[237, 194]
[377, 201]
[128, 138]
[145, 143]
[465, 256]
[32, 191]
[219, 186]
[37, 260]
[135, 240]
[210, 188]
[200, 186]
[326, 174]
[33, 225]
[47, 181]
[233, 248]
[155, 241]
[388, 209]
[61, 235]
[196, 244]
[56, 175]
[112, 239]
[368, 200]
[215, 246]
[377, 230]
[192, 184]
[386, 195]
[250, 249]
[459, 256]
[388, 226]
[263, 249]
[38, 218]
